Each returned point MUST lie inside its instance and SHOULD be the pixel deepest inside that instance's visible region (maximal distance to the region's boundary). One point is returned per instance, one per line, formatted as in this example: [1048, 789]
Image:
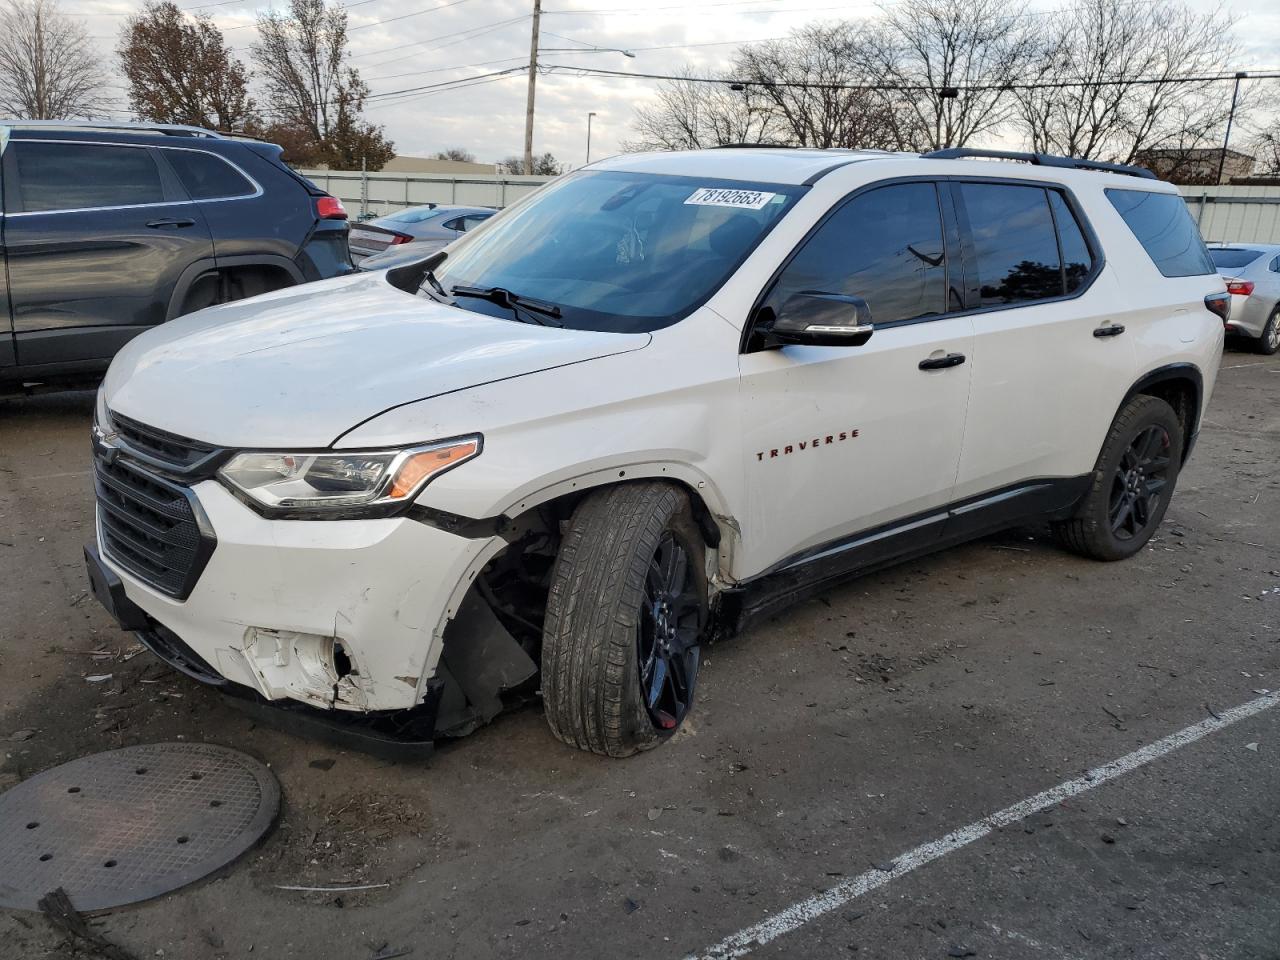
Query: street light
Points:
[533, 76]
[1222, 160]
[589, 116]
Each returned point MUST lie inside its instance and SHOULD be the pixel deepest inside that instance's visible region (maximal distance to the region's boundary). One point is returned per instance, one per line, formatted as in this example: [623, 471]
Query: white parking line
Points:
[798, 914]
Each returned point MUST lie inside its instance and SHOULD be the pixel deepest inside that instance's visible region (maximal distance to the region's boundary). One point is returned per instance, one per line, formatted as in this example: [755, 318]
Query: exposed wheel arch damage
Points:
[491, 642]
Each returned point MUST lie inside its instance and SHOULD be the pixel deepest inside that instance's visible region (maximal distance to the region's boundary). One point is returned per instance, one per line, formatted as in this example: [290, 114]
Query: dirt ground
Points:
[826, 743]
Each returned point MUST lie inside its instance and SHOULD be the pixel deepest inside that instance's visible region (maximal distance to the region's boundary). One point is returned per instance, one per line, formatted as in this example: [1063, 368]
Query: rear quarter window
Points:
[1163, 225]
[207, 177]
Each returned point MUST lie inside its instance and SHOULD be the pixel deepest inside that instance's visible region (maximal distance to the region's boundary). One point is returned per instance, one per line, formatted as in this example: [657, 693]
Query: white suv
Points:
[664, 394]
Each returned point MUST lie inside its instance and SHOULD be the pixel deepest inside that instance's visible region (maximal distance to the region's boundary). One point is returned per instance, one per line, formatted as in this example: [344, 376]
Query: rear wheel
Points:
[1269, 342]
[1132, 483]
[625, 618]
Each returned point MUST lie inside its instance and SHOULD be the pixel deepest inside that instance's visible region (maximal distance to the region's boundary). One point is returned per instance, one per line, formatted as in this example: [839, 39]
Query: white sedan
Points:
[1252, 272]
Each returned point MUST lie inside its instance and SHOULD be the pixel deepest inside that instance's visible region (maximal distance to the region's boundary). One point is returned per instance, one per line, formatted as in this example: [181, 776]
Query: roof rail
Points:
[1040, 159]
[169, 129]
[754, 146]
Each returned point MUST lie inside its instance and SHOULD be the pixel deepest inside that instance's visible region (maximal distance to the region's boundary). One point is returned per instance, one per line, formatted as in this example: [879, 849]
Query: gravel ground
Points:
[826, 743]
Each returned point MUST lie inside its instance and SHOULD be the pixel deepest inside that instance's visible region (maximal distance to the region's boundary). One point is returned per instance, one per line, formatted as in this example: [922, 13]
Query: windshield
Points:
[618, 252]
[1229, 258]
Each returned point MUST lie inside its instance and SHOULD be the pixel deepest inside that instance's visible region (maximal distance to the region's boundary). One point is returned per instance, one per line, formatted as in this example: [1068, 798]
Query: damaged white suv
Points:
[664, 394]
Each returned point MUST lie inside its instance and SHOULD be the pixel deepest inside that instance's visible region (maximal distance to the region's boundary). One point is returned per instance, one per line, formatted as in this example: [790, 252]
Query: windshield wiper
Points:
[536, 311]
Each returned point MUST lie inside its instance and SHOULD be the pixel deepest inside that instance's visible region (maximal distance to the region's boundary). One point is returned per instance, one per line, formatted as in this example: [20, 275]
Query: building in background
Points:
[1195, 166]
[453, 168]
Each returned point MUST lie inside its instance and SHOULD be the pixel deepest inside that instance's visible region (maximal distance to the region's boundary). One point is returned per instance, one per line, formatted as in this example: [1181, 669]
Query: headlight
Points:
[347, 483]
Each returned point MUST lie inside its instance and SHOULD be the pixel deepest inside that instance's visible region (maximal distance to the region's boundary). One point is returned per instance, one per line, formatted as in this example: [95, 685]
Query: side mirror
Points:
[823, 320]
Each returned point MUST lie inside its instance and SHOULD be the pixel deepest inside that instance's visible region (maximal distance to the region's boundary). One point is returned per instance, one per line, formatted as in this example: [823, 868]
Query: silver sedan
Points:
[1252, 273]
[430, 225]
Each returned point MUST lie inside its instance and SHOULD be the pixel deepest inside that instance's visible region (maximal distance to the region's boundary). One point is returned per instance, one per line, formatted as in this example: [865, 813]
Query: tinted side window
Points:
[454, 224]
[884, 246]
[1077, 261]
[207, 177]
[75, 176]
[473, 220]
[1275, 265]
[1164, 227]
[1015, 246]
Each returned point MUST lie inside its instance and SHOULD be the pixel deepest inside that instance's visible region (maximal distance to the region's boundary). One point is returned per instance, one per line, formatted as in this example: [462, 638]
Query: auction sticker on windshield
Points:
[719, 197]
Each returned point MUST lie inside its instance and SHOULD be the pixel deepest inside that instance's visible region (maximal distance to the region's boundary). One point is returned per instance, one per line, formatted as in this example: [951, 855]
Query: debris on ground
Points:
[1251, 746]
[57, 908]
[18, 736]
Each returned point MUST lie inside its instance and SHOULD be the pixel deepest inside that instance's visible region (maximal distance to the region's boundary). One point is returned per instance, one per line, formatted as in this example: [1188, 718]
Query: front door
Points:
[97, 236]
[842, 440]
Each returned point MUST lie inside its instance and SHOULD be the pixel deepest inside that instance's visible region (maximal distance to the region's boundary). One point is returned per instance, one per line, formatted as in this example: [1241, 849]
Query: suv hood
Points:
[300, 367]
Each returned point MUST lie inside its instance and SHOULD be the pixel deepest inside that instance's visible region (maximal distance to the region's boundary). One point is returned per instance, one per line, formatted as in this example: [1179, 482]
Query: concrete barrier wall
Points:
[378, 194]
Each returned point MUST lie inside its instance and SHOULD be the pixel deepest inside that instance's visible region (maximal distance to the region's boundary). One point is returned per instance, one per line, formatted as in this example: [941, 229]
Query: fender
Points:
[717, 524]
[202, 268]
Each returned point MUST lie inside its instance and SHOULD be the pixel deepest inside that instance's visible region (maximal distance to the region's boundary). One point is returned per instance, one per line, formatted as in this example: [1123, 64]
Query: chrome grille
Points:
[175, 453]
[151, 527]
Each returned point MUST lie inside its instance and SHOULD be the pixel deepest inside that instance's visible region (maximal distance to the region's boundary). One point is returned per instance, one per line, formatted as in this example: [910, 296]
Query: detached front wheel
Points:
[625, 619]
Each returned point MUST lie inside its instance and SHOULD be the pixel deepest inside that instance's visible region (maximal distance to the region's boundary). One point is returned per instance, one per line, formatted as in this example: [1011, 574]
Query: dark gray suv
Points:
[110, 229]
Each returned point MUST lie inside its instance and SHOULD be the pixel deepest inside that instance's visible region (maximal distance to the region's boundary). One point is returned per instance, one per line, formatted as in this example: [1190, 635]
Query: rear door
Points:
[97, 236]
[1050, 365]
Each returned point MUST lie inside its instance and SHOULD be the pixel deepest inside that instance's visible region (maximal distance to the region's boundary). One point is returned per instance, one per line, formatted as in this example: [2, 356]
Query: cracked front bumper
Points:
[336, 614]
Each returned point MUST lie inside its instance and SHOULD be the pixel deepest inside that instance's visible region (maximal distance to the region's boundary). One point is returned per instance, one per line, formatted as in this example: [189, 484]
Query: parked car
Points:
[111, 229]
[1252, 272]
[399, 255]
[664, 395]
[432, 225]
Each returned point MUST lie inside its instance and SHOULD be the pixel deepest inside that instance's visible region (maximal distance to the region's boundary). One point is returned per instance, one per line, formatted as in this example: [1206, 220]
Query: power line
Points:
[445, 83]
[406, 16]
[482, 28]
[917, 87]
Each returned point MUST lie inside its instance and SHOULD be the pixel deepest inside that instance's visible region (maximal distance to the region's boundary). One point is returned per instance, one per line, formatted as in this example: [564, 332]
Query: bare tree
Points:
[544, 166]
[47, 67]
[814, 86]
[691, 113]
[951, 62]
[1266, 151]
[456, 153]
[180, 70]
[315, 95]
[1111, 81]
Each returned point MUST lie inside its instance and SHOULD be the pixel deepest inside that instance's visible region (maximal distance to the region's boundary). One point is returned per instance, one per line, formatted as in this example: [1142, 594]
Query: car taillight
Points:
[330, 208]
[1219, 303]
[400, 238]
[1240, 288]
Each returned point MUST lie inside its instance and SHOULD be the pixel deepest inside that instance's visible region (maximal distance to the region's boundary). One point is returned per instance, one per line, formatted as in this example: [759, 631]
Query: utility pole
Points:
[533, 77]
[589, 116]
[1222, 160]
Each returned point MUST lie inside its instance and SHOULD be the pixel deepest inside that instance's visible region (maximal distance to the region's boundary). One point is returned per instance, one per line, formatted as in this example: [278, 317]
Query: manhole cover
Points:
[124, 826]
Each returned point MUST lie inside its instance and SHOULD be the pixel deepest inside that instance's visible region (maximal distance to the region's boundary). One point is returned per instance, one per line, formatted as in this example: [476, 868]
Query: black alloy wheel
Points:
[1139, 481]
[667, 641]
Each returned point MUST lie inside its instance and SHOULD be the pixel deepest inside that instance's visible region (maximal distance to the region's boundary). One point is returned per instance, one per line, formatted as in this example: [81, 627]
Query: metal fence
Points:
[377, 194]
[1236, 214]
[1243, 214]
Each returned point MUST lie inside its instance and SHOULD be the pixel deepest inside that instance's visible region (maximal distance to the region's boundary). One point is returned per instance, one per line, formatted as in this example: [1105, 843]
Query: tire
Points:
[602, 614]
[1269, 342]
[1132, 483]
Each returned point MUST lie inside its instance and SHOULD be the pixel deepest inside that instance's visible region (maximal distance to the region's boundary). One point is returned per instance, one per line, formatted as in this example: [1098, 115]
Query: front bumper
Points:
[338, 614]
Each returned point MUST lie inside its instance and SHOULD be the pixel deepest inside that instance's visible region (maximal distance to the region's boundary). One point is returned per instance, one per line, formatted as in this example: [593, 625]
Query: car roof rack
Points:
[754, 146]
[1040, 159]
[169, 129]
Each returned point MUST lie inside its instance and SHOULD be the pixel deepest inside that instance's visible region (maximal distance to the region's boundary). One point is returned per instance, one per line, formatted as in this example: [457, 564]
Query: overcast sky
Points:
[437, 41]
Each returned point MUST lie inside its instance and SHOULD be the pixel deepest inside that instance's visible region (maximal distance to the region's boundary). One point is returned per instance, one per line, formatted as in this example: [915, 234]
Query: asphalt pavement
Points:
[1002, 751]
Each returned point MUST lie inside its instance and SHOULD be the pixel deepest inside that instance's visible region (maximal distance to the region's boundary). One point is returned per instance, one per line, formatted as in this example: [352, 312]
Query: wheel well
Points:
[1182, 392]
[516, 582]
[225, 284]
